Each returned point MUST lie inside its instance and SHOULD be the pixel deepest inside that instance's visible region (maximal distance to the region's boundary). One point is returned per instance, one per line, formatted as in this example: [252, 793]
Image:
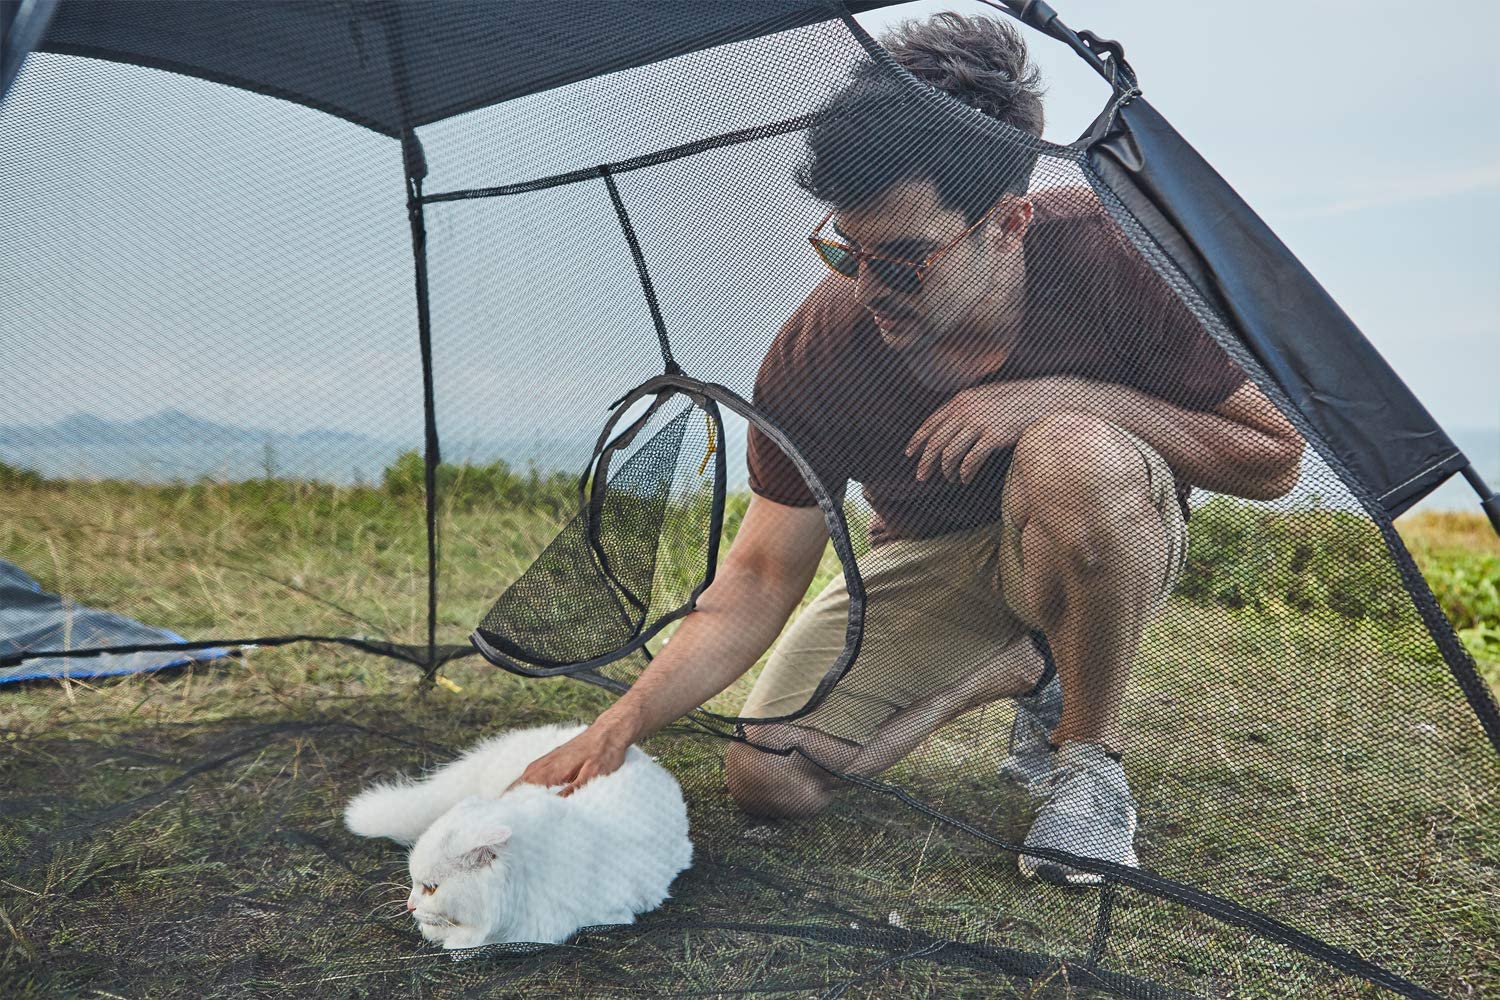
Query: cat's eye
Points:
[428, 889]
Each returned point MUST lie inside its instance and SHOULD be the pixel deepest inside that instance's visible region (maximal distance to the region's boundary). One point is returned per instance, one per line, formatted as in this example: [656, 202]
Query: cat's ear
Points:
[488, 850]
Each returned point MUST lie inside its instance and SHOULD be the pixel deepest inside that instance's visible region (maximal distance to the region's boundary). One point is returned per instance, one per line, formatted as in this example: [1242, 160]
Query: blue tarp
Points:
[31, 618]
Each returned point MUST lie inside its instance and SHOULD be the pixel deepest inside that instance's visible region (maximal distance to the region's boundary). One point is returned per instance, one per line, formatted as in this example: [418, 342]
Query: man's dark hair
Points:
[876, 134]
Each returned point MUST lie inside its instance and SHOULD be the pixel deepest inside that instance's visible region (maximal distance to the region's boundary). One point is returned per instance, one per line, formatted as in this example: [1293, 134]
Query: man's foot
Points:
[1030, 755]
[1088, 812]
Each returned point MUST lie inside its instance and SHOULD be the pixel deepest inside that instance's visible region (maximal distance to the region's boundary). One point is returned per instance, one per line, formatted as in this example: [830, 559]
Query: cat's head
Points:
[457, 866]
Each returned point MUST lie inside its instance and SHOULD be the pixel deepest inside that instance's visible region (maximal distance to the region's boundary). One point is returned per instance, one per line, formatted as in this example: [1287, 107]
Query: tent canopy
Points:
[393, 67]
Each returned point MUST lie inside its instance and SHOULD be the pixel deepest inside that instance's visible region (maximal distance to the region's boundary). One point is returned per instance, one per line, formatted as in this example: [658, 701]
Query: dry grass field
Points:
[178, 834]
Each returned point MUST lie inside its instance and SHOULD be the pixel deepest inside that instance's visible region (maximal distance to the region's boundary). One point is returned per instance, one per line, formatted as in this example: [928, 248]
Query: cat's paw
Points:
[460, 941]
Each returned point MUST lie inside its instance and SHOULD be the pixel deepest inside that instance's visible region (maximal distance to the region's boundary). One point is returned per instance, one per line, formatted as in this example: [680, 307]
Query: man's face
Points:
[966, 310]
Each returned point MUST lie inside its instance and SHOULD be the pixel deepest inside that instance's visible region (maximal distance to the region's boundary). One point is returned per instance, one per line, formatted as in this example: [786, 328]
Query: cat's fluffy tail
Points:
[400, 811]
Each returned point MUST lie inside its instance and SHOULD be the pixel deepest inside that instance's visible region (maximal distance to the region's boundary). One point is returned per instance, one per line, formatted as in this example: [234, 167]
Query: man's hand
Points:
[965, 431]
[595, 751]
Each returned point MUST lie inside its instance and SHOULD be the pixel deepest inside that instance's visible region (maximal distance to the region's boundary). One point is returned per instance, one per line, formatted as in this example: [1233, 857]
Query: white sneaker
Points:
[1088, 812]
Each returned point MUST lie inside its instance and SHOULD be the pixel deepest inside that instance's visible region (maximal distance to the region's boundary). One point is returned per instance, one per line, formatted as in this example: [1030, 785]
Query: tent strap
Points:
[668, 362]
[1040, 16]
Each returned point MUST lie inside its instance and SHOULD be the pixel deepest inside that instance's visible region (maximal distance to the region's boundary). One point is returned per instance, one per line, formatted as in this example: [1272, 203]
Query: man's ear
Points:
[487, 851]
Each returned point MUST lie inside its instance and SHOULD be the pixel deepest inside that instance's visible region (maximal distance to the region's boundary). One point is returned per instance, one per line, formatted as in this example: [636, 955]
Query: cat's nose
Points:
[411, 905]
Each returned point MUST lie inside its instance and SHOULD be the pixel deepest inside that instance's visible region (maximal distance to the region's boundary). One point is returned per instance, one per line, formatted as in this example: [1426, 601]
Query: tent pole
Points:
[22, 36]
[1489, 501]
[415, 164]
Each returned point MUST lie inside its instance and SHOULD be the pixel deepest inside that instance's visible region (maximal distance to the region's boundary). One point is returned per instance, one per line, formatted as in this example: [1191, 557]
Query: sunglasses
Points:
[899, 274]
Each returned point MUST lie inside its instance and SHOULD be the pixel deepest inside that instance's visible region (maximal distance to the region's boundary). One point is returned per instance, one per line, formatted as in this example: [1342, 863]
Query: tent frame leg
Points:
[415, 163]
[1489, 501]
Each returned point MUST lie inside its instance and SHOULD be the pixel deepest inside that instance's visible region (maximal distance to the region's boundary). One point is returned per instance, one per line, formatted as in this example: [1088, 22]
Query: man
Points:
[1024, 402]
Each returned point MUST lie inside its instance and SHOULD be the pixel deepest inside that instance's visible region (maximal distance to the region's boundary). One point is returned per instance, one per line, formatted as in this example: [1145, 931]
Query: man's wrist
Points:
[617, 726]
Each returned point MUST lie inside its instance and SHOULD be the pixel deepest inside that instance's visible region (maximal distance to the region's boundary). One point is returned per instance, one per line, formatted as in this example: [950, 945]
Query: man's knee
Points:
[1075, 455]
[1085, 486]
[775, 785]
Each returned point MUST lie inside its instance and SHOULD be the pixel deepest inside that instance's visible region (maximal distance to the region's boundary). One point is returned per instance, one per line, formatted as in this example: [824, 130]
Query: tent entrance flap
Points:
[645, 544]
[641, 548]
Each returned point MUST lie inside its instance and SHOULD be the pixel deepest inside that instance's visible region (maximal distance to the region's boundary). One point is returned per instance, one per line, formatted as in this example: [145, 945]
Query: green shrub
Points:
[465, 486]
[1460, 557]
[1243, 556]
[1319, 561]
[13, 477]
[1465, 585]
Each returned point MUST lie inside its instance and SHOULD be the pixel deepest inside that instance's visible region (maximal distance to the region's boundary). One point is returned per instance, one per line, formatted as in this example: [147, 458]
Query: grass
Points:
[1459, 554]
[178, 835]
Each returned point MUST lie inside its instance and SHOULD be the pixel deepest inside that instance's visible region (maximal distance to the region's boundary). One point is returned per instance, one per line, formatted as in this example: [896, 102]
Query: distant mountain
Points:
[173, 446]
[169, 427]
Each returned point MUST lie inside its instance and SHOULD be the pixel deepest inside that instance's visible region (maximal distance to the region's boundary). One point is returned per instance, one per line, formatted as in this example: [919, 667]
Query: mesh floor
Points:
[212, 408]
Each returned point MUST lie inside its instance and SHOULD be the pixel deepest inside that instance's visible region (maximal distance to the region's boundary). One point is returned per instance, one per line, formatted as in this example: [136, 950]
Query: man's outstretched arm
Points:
[759, 583]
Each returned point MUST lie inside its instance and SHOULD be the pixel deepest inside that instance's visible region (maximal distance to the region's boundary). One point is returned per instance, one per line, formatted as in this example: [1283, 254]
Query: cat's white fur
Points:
[528, 864]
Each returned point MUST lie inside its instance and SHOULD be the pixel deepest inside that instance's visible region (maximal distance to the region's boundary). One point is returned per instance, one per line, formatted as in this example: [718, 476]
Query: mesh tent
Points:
[492, 401]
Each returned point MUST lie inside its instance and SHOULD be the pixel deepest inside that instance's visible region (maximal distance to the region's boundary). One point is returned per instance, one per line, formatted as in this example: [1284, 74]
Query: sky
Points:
[1358, 132]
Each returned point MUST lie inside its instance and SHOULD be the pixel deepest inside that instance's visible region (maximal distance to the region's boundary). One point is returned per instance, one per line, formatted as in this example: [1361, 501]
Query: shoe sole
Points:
[1065, 875]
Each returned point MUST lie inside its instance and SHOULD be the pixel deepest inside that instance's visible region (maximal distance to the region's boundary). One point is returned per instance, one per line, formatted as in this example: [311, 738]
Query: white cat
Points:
[494, 866]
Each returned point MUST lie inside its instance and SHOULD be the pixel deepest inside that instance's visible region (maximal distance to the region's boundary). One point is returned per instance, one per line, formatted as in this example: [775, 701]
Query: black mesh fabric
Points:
[212, 420]
[634, 557]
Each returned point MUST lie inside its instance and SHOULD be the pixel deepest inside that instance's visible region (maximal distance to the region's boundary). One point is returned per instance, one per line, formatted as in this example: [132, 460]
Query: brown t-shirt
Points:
[1094, 309]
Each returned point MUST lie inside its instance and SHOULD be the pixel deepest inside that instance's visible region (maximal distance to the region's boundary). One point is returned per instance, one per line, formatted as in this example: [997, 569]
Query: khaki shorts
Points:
[935, 607]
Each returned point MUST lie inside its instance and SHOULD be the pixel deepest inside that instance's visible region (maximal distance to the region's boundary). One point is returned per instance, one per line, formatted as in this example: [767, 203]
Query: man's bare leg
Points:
[1094, 555]
[1010, 676]
[785, 786]
[1094, 558]
[767, 784]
